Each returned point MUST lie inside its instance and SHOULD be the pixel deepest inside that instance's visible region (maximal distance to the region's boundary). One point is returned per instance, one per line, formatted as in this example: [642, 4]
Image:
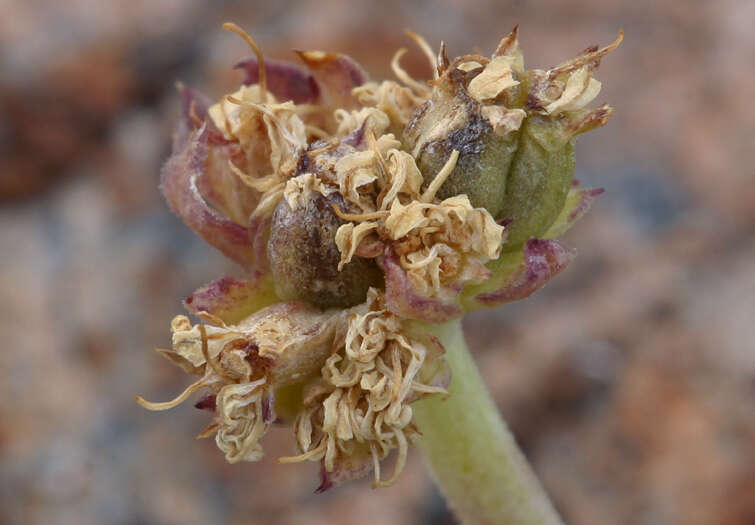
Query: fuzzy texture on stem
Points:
[473, 455]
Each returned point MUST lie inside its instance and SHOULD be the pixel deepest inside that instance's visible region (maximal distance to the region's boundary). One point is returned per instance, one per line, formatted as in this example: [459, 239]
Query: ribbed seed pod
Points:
[538, 180]
[452, 120]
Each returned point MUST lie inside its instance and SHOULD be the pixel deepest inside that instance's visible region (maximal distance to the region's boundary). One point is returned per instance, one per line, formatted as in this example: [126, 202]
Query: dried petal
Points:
[435, 372]
[179, 184]
[180, 361]
[336, 74]
[581, 88]
[503, 120]
[495, 78]
[301, 189]
[396, 101]
[285, 80]
[241, 421]
[222, 188]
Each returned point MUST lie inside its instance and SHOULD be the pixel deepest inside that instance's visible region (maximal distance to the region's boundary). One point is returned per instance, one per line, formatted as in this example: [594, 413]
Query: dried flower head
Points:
[362, 210]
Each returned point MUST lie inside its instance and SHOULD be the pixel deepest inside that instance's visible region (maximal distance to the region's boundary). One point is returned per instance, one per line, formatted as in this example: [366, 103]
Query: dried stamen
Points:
[426, 49]
[404, 77]
[230, 26]
[441, 177]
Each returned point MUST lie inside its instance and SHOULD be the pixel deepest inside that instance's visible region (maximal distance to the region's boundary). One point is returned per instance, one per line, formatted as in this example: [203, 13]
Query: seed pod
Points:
[304, 258]
[539, 179]
[452, 120]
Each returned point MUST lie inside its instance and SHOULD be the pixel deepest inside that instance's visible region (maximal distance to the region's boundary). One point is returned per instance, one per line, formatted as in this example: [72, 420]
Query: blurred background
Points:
[629, 381]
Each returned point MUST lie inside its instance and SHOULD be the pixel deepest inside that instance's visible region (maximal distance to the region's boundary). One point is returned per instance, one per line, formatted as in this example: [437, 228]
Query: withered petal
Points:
[518, 277]
[221, 188]
[285, 80]
[232, 300]
[179, 185]
[336, 74]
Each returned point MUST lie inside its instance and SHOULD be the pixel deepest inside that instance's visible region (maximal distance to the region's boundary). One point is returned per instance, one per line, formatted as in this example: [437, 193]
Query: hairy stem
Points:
[470, 450]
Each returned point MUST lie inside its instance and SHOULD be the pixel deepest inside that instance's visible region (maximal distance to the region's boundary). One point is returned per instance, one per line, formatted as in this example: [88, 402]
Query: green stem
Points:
[470, 450]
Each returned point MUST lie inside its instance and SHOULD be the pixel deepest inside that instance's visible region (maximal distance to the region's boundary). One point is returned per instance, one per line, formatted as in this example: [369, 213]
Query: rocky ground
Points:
[629, 381]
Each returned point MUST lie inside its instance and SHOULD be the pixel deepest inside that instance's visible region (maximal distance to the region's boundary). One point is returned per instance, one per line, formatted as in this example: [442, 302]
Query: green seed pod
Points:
[304, 258]
[514, 130]
[539, 179]
[452, 120]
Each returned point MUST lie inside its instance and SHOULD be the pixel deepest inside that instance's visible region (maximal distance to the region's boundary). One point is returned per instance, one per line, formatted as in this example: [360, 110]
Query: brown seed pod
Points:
[452, 120]
[304, 258]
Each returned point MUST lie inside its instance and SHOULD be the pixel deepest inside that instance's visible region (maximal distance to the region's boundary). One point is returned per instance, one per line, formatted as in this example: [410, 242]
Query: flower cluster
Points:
[361, 211]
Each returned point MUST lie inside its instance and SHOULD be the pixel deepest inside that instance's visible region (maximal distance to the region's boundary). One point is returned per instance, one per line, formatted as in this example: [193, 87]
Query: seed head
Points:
[360, 211]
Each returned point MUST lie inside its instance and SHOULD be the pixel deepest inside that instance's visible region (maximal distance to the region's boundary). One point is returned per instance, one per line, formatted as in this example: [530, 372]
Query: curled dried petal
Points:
[396, 101]
[503, 120]
[495, 78]
[404, 300]
[580, 89]
[300, 190]
[241, 421]
[361, 121]
[359, 409]
[569, 86]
